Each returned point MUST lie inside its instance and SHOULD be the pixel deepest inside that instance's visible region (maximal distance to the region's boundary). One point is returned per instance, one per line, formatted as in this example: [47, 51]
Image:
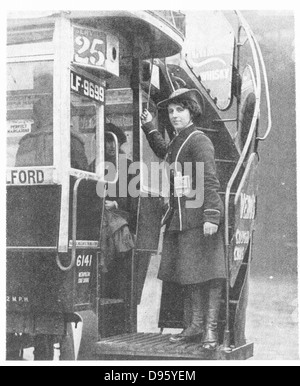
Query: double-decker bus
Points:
[69, 74]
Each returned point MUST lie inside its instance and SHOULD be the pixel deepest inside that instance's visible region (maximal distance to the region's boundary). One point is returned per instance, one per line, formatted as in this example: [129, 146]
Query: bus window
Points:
[83, 133]
[87, 97]
[111, 155]
[175, 18]
[30, 114]
[119, 113]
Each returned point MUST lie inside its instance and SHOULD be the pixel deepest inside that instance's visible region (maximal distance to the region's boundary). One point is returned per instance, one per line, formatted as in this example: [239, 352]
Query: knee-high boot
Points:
[194, 303]
[215, 289]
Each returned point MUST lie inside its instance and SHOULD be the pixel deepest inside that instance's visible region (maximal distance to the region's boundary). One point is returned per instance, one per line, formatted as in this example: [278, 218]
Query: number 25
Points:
[88, 53]
[96, 43]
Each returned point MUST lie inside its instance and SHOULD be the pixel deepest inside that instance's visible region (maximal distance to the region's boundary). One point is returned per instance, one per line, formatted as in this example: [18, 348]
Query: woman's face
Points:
[110, 149]
[179, 116]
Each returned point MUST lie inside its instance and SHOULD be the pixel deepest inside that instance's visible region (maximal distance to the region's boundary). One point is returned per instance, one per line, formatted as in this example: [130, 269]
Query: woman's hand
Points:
[146, 117]
[110, 205]
[210, 229]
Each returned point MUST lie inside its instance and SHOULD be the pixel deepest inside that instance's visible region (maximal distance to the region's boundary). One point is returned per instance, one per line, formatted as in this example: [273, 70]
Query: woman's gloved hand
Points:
[146, 117]
[209, 229]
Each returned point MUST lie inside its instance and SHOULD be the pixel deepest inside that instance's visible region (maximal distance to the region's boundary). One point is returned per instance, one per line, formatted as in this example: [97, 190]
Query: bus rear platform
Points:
[156, 346]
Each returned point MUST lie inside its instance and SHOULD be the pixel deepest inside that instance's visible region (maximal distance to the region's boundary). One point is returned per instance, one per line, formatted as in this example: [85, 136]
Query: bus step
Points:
[155, 346]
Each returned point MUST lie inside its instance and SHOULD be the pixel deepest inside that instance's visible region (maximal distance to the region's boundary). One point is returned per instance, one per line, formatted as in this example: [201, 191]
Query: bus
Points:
[71, 74]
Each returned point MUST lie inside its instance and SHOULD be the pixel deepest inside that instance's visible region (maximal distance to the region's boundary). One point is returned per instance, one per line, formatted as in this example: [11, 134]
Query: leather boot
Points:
[193, 294]
[215, 290]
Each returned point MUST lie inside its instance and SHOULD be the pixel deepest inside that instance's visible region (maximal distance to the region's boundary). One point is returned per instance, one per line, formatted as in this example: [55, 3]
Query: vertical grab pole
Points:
[100, 276]
[227, 327]
[74, 230]
[149, 91]
[61, 120]
[137, 109]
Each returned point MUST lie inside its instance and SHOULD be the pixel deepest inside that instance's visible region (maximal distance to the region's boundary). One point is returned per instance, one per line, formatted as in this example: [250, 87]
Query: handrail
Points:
[266, 90]
[246, 173]
[74, 230]
[169, 78]
[250, 134]
[263, 66]
[150, 84]
[74, 214]
[236, 171]
[117, 159]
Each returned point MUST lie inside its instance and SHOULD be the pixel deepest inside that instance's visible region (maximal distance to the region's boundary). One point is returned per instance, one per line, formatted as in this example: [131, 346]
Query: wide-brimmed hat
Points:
[183, 94]
[117, 131]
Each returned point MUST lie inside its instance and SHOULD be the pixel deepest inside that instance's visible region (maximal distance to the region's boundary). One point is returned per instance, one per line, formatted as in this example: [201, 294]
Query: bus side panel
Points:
[78, 289]
[33, 291]
[33, 215]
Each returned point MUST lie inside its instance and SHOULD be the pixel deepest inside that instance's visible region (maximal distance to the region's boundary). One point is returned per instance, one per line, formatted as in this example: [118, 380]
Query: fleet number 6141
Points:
[84, 260]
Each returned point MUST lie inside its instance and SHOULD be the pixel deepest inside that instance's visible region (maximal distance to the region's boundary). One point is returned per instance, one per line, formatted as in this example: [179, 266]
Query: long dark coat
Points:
[188, 256]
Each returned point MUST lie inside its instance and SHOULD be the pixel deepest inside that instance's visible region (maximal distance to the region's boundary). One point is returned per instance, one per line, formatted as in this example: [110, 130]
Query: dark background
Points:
[275, 249]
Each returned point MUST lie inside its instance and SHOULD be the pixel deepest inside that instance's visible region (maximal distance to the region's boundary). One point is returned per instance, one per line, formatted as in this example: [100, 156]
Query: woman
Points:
[193, 249]
[119, 220]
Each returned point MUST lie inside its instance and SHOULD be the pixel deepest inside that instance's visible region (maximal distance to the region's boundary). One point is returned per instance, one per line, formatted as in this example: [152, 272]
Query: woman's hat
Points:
[117, 131]
[183, 94]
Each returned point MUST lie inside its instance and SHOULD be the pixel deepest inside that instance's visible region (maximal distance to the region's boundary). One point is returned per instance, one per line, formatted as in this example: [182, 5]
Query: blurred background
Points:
[276, 237]
[273, 308]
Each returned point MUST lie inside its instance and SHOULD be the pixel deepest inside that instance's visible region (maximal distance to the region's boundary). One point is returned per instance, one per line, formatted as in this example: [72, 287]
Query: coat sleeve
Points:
[203, 151]
[156, 140]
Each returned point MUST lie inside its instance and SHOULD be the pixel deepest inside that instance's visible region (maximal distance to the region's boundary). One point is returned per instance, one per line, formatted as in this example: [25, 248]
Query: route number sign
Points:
[89, 47]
